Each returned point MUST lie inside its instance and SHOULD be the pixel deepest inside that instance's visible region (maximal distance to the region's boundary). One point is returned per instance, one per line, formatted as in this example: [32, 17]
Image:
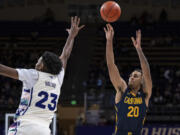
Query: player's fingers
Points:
[75, 20]
[112, 32]
[105, 30]
[136, 33]
[82, 26]
[78, 21]
[140, 33]
[108, 27]
[112, 29]
[72, 20]
[133, 40]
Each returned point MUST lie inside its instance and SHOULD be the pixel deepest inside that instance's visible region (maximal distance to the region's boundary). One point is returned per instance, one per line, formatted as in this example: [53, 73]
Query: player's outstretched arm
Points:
[73, 31]
[117, 81]
[8, 72]
[147, 82]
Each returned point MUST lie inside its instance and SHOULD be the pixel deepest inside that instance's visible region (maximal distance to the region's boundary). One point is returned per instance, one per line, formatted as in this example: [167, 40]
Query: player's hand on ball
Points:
[73, 31]
[137, 42]
[109, 31]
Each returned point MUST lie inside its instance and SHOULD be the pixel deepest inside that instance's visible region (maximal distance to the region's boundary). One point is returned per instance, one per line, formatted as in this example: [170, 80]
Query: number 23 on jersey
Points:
[51, 106]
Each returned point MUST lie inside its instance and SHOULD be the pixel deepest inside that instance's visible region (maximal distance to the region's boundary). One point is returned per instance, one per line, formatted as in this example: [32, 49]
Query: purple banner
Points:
[147, 130]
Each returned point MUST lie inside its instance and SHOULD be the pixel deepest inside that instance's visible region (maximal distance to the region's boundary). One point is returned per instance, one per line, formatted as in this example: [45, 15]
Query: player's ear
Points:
[42, 66]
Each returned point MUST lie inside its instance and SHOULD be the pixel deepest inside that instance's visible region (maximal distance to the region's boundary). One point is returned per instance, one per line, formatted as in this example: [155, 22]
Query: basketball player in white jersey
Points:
[41, 88]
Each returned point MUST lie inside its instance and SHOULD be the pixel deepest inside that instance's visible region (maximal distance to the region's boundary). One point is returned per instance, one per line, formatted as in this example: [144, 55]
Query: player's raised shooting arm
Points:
[147, 84]
[147, 81]
[114, 74]
[8, 72]
[73, 31]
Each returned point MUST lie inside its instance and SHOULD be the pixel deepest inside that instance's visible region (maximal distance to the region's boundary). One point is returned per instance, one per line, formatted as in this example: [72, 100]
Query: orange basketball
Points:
[110, 11]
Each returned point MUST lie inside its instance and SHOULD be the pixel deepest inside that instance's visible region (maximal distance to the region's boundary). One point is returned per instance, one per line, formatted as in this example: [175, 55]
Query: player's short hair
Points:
[138, 70]
[52, 63]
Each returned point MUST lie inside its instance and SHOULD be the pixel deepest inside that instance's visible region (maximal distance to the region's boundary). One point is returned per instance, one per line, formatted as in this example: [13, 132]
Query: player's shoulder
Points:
[24, 70]
[27, 74]
[33, 71]
[61, 71]
[61, 75]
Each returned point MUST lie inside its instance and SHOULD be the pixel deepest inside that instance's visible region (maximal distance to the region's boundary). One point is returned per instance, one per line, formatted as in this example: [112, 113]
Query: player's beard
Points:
[130, 86]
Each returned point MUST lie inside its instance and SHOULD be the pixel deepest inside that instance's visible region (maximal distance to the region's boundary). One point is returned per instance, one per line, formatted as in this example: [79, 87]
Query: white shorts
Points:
[28, 128]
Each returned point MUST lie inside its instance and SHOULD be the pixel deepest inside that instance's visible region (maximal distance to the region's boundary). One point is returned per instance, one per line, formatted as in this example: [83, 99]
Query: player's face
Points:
[39, 64]
[135, 79]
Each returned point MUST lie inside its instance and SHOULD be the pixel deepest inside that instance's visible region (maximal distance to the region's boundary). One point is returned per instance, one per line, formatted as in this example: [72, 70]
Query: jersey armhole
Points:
[144, 98]
[122, 96]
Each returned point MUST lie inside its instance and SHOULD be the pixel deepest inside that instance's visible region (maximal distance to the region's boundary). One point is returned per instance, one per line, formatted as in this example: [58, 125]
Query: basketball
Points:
[110, 11]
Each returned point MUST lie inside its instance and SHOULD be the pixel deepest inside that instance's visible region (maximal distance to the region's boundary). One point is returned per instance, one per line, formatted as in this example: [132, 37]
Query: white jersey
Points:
[40, 94]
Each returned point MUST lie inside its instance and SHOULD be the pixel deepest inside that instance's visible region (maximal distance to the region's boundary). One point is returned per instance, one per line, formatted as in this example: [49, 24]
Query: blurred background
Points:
[86, 105]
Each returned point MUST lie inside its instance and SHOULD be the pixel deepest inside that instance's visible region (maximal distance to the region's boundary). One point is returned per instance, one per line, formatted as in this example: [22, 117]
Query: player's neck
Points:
[135, 90]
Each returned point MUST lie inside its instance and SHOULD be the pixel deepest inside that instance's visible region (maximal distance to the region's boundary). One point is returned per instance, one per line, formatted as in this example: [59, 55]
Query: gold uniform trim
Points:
[133, 94]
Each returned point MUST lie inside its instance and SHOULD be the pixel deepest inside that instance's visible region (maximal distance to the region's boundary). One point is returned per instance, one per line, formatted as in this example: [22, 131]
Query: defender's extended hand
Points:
[73, 31]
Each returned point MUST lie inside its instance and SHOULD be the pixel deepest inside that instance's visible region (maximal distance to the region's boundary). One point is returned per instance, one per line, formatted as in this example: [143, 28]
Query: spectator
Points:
[163, 17]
